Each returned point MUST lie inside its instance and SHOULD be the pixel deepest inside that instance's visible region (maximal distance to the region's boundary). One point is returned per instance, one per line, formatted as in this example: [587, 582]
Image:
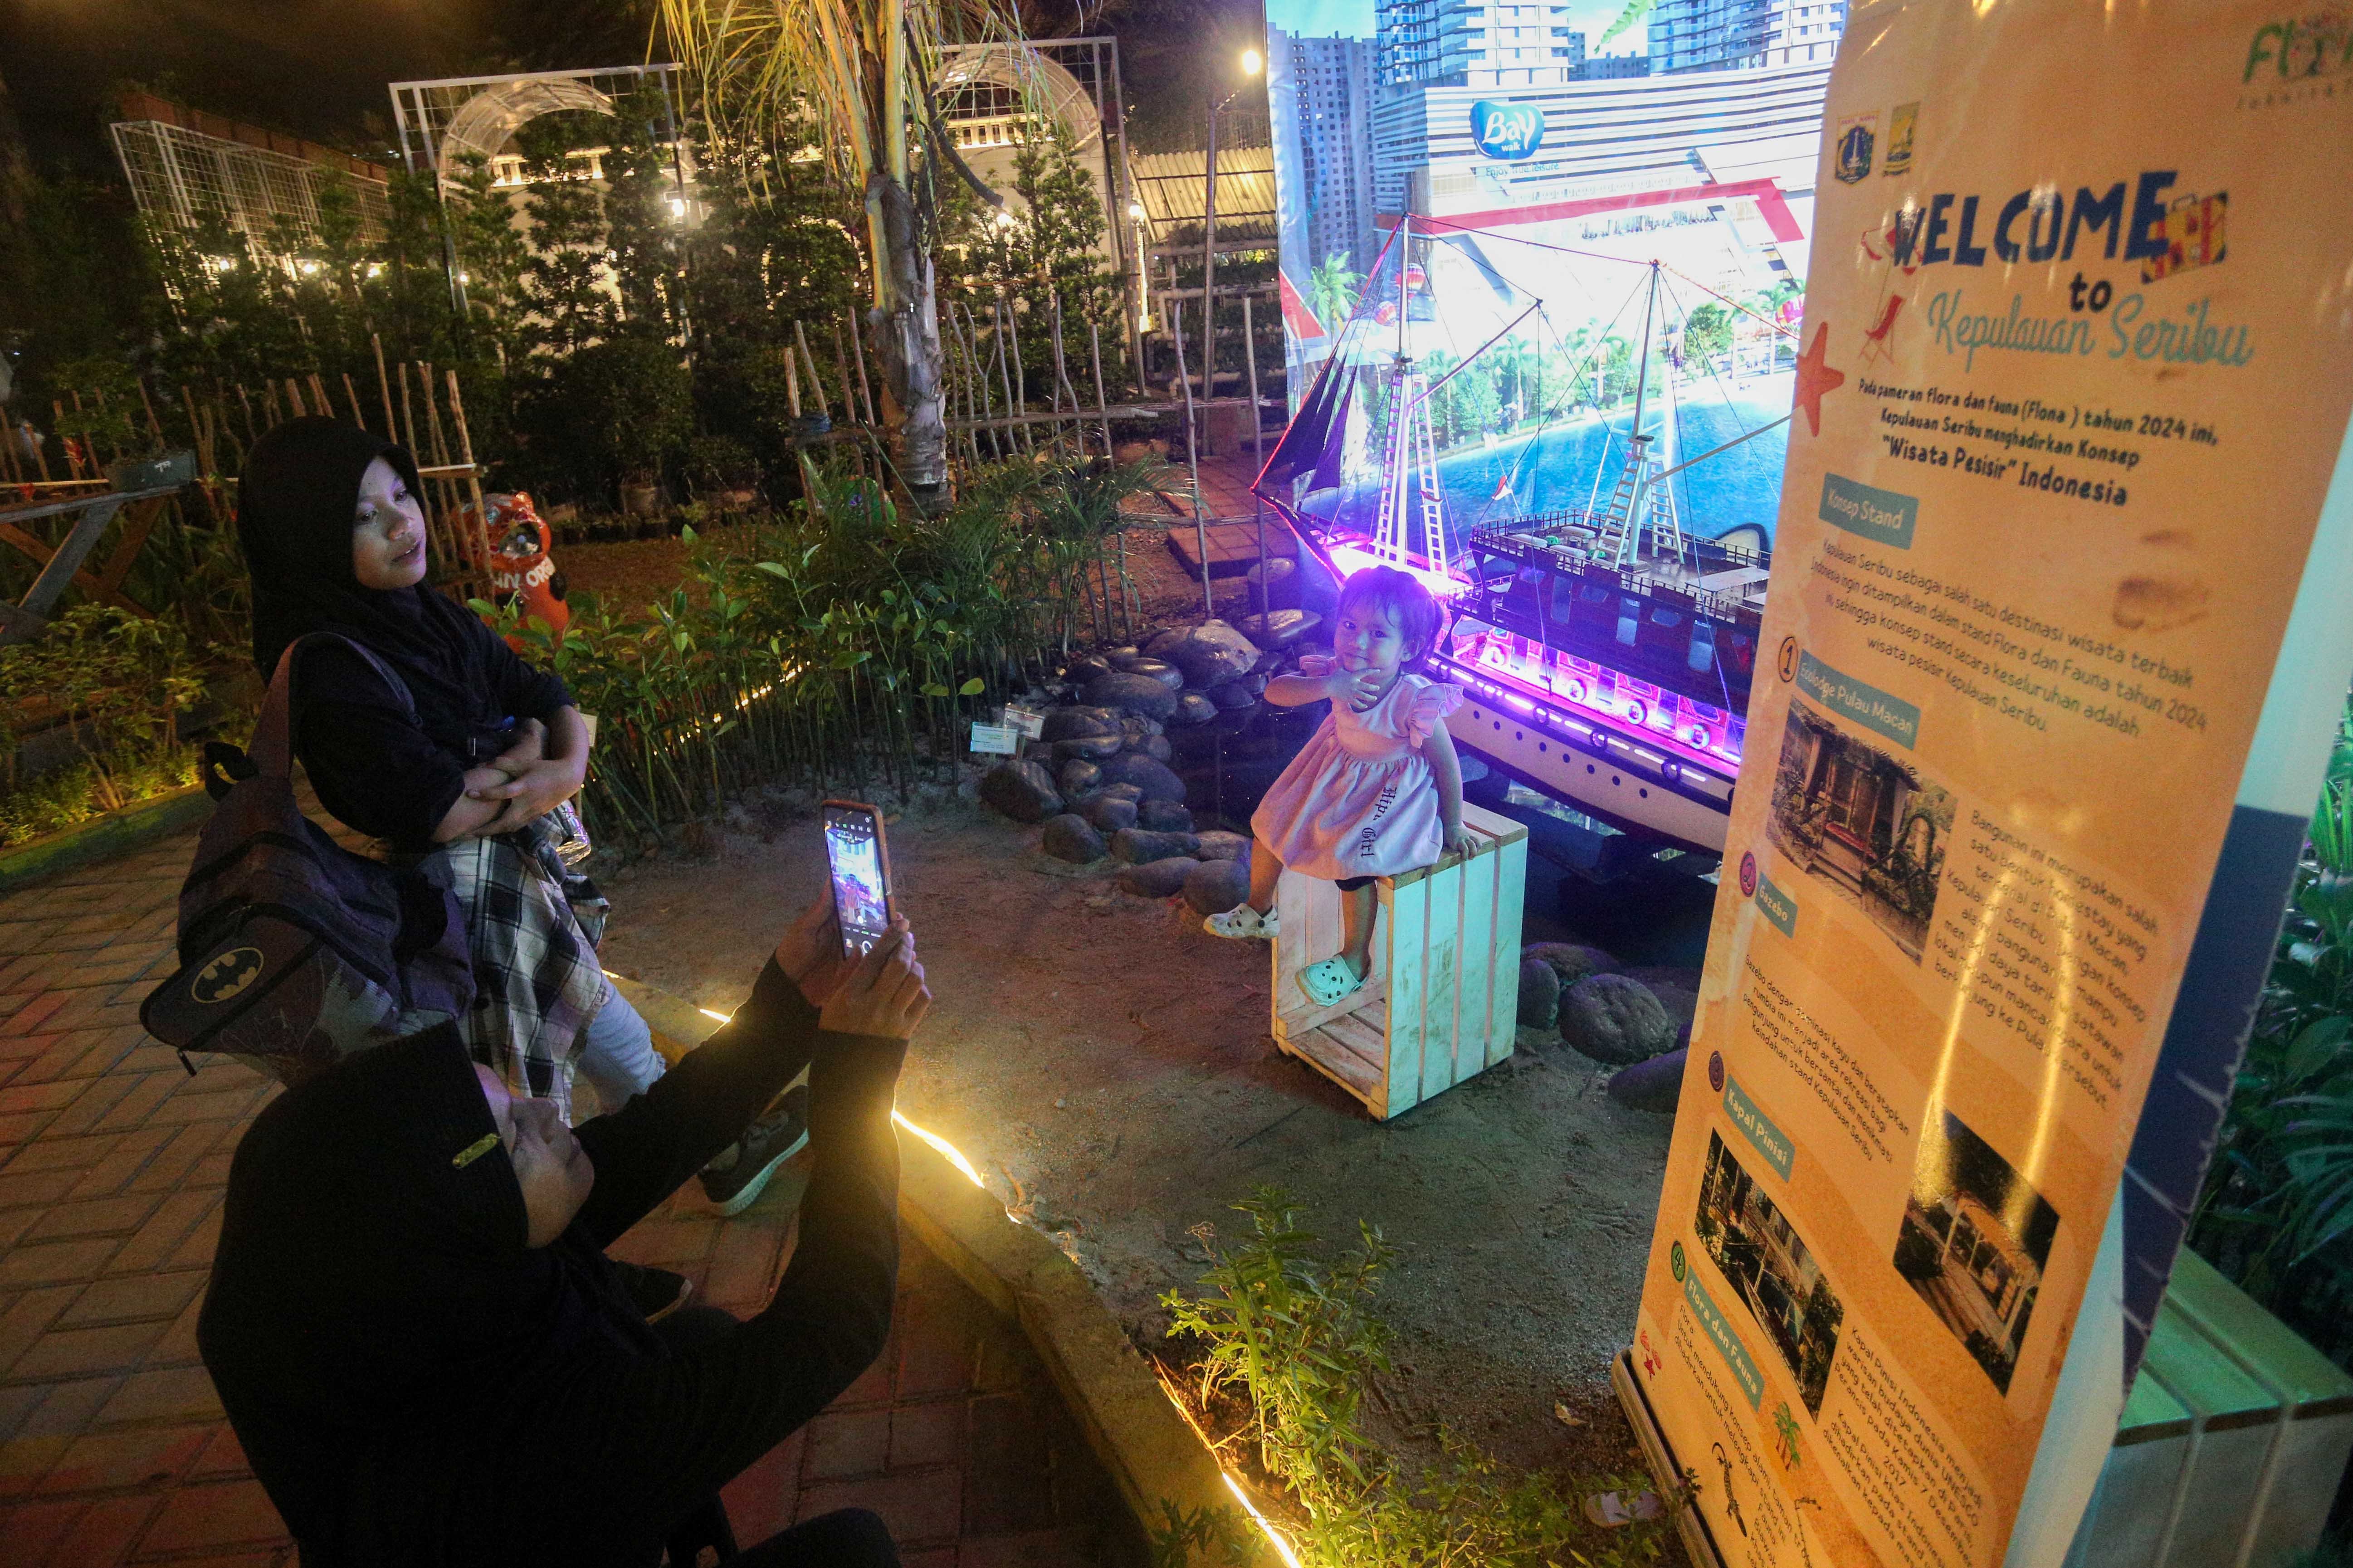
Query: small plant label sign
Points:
[1028, 721]
[1001, 739]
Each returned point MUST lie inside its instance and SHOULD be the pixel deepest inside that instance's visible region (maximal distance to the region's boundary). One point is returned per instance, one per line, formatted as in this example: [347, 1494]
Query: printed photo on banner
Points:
[1863, 822]
[1771, 1269]
[1973, 1244]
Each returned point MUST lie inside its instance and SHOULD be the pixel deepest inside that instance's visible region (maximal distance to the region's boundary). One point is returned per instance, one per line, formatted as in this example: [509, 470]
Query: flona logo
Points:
[1510, 132]
[2313, 45]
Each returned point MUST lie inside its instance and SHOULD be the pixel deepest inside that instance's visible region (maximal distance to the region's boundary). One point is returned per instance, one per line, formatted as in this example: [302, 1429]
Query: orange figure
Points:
[521, 562]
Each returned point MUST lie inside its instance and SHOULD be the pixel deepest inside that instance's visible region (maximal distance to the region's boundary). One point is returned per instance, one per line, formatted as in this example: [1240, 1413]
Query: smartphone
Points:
[860, 868]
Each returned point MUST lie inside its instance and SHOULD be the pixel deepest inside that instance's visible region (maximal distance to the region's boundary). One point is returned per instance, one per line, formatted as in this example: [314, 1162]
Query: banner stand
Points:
[1659, 1455]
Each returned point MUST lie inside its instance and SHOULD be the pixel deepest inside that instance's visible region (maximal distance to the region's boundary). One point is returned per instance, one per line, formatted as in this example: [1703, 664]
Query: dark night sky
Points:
[318, 68]
[315, 67]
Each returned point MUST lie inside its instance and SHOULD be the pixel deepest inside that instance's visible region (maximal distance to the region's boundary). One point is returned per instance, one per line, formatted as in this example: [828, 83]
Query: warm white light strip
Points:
[1290, 1559]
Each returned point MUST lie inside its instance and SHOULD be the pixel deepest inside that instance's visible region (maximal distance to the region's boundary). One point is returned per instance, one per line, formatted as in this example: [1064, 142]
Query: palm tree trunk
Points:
[906, 325]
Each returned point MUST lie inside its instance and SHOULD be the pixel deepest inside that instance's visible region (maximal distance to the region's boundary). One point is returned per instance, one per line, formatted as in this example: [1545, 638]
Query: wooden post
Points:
[247, 403]
[1094, 355]
[384, 384]
[792, 384]
[8, 449]
[1015, 407]
[817, 386]
[1257, 452]
[841, 368]
[1209, 268]
[320, 402]
[858, 358]
[473, 475]
[407, 411]
[41, 456]
[154, 425]
[294, 398]
[1192, 452]
[352, 392]
[980, 379]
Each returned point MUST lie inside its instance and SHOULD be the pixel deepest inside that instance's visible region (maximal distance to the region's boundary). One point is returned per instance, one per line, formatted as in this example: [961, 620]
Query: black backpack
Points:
[294, 952]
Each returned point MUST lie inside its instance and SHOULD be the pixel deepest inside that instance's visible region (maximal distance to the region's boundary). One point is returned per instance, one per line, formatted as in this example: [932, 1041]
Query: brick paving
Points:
[112, 1165]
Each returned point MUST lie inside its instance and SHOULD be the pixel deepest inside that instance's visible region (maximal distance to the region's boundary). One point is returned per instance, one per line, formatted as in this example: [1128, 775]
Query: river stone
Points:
[1080, 672]
[1677, 990]
[1156, 879]
[1159, 670]
[1276, 582]
[1139, 846]
[1158, 644]
[1233, 696]
[1073, 838]
[1616, 1020]
[1022, 791]
[1093, 747]
[1654, 1085]
[1280, 628]
[1149, 775]
[1078, 776]
[1163, 816]
[1213, 887]
[1225, 847]
[1107, 812]
[1124, 651]
[1192, 708]
[1041, 752]
[1133, 694]
[1156, 747]
[1539, 994]
[1213, 653]
[1135, 727]
[1571, 961]
[1071, 723]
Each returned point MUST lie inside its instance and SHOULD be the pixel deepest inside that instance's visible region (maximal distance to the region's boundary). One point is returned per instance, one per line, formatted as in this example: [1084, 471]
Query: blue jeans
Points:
[616, 1053]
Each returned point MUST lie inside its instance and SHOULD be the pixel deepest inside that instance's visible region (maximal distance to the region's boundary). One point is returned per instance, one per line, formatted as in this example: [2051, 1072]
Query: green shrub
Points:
[1298, 1337]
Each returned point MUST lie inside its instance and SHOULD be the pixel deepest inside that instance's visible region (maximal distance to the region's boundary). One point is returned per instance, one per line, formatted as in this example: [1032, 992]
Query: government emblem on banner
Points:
[1856, 139]
[2195, 236]
[1900, 120]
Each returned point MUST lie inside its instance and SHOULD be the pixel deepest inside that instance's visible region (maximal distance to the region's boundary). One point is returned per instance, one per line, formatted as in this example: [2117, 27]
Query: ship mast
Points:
[1412, 455]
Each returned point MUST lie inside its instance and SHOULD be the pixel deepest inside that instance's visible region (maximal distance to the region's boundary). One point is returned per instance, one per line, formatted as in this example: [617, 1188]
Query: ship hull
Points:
[1593, 766]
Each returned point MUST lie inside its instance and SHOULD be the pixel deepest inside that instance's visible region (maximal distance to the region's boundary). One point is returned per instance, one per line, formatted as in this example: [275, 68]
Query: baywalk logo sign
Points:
[1508, 131]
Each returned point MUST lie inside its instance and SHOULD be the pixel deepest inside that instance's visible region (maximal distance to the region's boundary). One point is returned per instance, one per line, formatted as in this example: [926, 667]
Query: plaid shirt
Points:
[537, 981]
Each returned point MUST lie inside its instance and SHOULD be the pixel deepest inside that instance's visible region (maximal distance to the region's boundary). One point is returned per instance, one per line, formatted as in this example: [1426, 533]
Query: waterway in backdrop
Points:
[1555, 470]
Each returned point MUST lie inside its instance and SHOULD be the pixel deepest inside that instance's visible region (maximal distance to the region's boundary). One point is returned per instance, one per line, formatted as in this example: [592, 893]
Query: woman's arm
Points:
[528, 785]
[1445, 768]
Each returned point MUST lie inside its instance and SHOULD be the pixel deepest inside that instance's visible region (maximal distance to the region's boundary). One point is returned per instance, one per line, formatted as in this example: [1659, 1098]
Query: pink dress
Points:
[1359, 799]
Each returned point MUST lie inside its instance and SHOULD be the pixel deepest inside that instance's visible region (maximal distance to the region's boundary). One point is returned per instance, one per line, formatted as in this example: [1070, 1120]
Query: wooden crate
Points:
[1443, 996]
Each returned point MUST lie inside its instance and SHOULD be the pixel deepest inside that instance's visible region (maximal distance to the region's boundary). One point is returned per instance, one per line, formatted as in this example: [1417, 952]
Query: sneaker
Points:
[656, 1292]
[1243, 923]
[767, 1144]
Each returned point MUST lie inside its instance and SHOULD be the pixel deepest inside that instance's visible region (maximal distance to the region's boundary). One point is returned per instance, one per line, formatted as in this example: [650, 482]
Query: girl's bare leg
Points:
[1358, 908]
[1265, 870]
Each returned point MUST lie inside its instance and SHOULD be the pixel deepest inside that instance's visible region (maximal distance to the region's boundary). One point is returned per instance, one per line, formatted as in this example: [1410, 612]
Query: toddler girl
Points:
[1376, 789]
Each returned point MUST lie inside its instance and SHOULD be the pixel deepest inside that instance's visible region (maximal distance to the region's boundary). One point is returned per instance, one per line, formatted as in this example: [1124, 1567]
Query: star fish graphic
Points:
[1815, 377]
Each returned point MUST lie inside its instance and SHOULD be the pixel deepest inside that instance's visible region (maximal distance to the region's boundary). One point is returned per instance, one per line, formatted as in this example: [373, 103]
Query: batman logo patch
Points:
[227, 975]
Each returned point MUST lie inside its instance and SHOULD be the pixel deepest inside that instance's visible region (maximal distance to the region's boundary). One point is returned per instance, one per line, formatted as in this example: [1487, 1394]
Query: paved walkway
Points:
[112, 1165]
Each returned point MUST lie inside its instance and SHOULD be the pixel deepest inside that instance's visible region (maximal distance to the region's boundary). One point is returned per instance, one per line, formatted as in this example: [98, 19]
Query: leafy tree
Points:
[1332, 290]
[564, 280]
[862, 70]
[1708, 330]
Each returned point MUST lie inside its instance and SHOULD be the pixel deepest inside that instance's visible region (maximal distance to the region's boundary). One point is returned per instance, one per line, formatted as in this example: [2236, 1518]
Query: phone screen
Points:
[861, 894]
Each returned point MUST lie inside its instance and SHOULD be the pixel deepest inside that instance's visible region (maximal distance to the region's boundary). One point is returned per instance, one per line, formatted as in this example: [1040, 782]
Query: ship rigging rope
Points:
[1600, 341]
[1600, 256]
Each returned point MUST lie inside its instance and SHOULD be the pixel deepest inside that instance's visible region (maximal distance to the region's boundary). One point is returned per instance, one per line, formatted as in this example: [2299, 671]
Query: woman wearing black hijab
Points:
[427, 1357]
[483, 745]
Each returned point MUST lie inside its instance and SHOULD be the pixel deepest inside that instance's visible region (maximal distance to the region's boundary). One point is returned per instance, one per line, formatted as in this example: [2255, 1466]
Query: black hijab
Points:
[376, 1325]
[296, 504]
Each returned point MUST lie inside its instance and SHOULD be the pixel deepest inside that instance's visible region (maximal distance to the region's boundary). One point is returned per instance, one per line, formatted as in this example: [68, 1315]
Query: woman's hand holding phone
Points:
[810, 952]
[883, 993]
